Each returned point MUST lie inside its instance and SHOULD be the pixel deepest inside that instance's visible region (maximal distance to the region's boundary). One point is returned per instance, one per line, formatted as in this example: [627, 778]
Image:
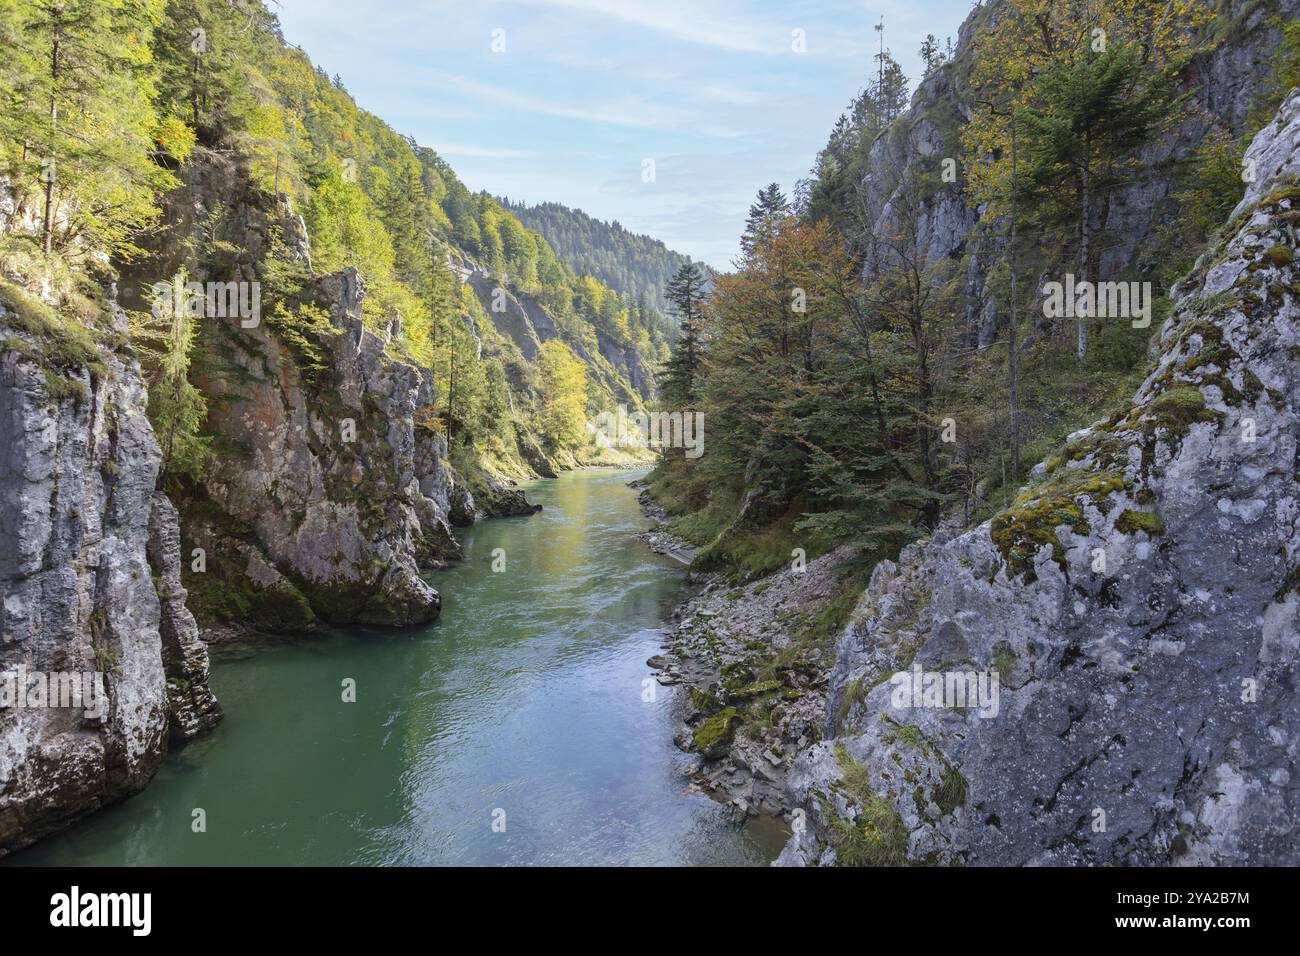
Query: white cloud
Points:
[682, 21]
[628, 111]
[730, 95]
[633, 112]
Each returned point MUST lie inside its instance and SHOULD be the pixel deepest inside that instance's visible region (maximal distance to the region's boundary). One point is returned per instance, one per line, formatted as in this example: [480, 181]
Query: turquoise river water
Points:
[522, 706]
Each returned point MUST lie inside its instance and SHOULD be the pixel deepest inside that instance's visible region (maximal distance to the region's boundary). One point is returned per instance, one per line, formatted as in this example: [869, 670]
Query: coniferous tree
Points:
[1083, 136]
[765, 213]
[685, 294]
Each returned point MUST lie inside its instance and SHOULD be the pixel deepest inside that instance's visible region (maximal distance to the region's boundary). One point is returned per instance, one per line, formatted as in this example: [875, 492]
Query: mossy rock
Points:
[60, 347]
[750, 691]
[1179, 407]
[1284, 194]
[878, 837]
[1021, 531]
[215, 597]
[703, 700]
[713, 736]
[1280, 256]
[1131, 522]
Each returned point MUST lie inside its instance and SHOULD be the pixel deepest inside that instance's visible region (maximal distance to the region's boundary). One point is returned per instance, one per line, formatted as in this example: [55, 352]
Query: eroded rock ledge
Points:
[753, 661]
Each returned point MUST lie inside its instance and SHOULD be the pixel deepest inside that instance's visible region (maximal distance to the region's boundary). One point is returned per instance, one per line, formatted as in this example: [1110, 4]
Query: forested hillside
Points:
[106, 105]
[998, 491]
[371, 347]
[636, 265]
[885, 354]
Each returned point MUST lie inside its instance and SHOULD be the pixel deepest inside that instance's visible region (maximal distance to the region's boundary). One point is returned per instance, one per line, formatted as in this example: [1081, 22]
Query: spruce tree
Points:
[78, 89]
[685, 295]
[767, 210]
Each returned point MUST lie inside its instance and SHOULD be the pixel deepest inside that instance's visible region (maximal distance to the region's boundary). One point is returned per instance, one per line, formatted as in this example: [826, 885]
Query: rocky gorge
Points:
[327, 503]
[1099, 670]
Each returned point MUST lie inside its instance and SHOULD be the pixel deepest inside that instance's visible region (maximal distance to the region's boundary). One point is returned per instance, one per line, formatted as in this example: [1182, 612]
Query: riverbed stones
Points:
[754, 690]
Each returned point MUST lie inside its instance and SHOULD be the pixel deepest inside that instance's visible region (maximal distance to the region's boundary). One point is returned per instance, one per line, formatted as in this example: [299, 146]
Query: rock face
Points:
[191, 706]
[1138, 606]
[1225, 80]
[89, 582]
[524, 322]
[318, 511]
[518, 317]
[325, 498]
[754, 667]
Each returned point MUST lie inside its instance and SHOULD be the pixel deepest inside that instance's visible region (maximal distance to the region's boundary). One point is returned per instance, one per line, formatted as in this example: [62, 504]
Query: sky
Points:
[665, 115]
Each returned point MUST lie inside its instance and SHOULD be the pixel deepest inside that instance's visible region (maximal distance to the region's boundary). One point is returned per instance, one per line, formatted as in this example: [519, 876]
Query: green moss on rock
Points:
[750, 691]
[60, 348]
[1131, 522]
[1280, 256]
[713, 735]
[215, 597]
[1019, 532]
[1179, 407]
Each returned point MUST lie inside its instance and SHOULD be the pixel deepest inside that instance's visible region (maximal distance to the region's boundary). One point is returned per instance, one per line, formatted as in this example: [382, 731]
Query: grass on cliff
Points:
[61, 343]
[878, 837]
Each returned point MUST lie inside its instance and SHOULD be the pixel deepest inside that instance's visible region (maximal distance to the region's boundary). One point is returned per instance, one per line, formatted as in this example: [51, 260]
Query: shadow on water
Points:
[523, 704]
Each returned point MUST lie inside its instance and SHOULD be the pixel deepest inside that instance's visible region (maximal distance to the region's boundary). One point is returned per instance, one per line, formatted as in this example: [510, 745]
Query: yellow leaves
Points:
[591, 291]
[563, 394]
[1031, 35]
[176, 137]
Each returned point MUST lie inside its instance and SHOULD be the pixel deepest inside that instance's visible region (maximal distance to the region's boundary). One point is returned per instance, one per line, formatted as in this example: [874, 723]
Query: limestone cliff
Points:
[1225, 78]
[89, 582]
[317, 510]
[524, 322]
[1138, 606]
[325, 499]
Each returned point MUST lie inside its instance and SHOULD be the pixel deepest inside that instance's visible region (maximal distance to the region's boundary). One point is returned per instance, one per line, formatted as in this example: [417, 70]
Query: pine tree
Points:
[765, 213]
[685, 294]
[165, 339]
[1083, 137]
[931, 53]
[1089, 84]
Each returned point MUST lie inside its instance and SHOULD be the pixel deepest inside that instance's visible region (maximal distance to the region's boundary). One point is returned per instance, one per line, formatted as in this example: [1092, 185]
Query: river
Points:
[515, 730]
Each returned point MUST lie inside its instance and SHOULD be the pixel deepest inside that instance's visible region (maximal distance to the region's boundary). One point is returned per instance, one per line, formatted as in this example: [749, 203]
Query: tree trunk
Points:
[1012, 331]
[1085, 247]
[451, 393]
[48, 217]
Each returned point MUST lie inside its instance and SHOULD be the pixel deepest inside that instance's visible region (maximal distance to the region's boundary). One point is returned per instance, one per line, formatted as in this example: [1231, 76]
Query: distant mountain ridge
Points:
[635, 264]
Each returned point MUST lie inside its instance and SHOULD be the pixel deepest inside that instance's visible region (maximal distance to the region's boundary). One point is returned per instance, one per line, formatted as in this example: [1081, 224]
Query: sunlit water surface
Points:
[524, 703]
